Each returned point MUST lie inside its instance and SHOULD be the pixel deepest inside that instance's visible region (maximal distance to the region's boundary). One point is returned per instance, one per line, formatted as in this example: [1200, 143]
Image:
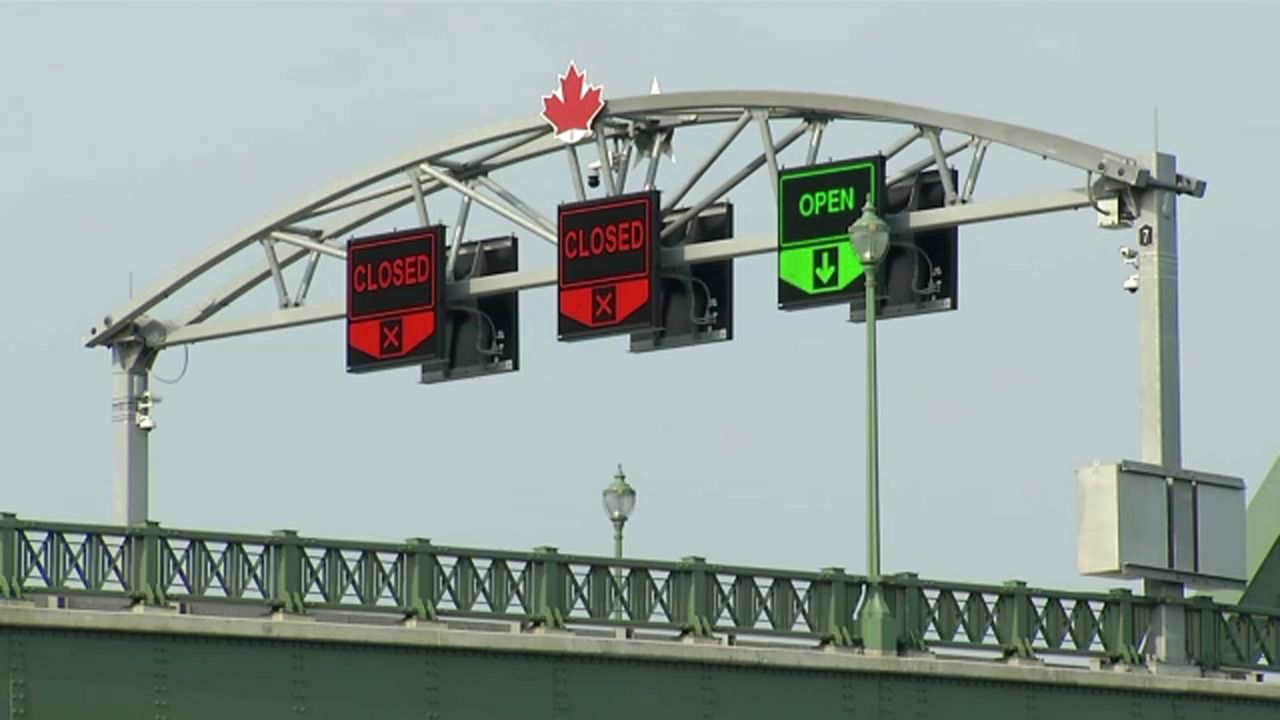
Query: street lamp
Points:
[619, 501]
[869, 236]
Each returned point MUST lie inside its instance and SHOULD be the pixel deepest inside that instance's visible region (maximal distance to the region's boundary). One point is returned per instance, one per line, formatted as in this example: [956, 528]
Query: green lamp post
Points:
[619, 502]
[869, 236]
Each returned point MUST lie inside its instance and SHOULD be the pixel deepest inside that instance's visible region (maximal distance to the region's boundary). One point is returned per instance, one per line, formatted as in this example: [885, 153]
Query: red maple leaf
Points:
[571, 108]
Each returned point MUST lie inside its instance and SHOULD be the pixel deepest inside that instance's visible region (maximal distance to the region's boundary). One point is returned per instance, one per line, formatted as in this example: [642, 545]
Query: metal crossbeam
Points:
[711, 251]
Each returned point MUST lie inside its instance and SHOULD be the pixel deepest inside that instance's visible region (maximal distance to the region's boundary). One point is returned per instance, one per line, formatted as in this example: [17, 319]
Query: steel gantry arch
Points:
[637, 131]
[623, 127]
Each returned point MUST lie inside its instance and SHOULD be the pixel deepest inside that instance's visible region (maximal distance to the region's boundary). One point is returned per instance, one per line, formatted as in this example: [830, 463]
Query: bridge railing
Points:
[284, 571]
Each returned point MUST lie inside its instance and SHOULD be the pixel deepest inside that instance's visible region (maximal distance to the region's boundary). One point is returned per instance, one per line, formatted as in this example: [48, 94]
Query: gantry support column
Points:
[1159, 382]
[130, 370]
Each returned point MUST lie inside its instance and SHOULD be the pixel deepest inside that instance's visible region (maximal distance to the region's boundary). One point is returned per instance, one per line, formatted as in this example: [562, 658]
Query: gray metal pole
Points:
[130, 367]
[1158, 318]
[1158, 386]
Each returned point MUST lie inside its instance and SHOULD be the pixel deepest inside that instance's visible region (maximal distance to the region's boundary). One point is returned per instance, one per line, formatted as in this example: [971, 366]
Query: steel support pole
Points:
[1158, 387]
[879, 634]
[873, 440]
[1158, 318]
[130, 370]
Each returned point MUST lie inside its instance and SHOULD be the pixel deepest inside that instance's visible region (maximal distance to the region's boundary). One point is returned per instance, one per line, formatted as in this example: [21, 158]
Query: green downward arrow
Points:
[826, 270]
[819, 268]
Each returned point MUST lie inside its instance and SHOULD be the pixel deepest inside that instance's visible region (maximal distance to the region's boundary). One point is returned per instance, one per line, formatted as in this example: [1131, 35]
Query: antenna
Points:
[1155, 128]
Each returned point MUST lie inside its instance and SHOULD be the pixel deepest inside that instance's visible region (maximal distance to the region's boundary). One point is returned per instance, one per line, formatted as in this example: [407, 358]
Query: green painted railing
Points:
[154, 565]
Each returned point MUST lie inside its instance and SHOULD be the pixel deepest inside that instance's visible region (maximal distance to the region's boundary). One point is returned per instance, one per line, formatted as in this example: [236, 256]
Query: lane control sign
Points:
[608, 266]
[816, 206]
[393, 298]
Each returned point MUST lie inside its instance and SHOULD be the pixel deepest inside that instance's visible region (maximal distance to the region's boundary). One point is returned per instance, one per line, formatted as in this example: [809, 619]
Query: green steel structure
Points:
[156, 566]
[1263, 550]
[68, 664]
[418, 630]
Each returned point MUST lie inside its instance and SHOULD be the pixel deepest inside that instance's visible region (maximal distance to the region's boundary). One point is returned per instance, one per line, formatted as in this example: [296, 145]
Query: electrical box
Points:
[1136, 520]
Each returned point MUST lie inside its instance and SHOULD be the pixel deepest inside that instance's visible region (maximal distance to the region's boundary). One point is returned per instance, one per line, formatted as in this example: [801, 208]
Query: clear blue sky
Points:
[134, 136]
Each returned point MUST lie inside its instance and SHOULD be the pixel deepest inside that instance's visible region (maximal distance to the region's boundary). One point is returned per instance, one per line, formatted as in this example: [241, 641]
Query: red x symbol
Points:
[604, 304]
[391, 337]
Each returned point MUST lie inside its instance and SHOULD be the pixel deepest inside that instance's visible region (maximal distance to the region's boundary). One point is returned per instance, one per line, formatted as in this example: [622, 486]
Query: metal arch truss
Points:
[629, 132]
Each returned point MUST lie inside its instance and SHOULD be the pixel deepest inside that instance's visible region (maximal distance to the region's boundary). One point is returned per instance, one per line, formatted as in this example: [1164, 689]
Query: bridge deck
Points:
[159, 663]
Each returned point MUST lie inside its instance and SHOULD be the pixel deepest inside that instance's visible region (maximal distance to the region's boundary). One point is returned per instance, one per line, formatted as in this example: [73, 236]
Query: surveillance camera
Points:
[593, 174]
[1129, 256]
[1131, 284]
[145, 423]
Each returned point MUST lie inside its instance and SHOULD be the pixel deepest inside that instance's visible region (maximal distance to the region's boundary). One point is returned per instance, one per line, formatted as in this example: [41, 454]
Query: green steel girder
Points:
[63, 664]
[1262, 530]
[156, 566]
[1262, 548]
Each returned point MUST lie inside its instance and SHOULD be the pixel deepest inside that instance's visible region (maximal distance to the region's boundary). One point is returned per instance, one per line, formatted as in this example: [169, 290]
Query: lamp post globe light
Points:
[619, 500]
[869, 236]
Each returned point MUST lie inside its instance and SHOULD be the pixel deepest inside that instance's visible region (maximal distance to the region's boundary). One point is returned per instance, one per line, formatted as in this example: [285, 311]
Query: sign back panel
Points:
[608, 266]
[816, 205]
[697, 300]
[394, 298]
[481, 335]
[920, 274]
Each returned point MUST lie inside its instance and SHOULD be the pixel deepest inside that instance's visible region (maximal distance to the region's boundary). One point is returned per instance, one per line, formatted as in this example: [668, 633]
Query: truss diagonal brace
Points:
[940, 159]
[459, 229]
[771, 158]
[921, 165]
[312, 245]
[815, 141]
[606, 164]
[575, 173]
[901, 144]
[515, 202]
[975, 167]
[418, 198]
[679, 221]
[725, 142]
[248, 280]
[273, 262]
[493, 205]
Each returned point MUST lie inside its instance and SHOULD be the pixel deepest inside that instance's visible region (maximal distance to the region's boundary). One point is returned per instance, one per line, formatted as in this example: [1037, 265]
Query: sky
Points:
[135, 136]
